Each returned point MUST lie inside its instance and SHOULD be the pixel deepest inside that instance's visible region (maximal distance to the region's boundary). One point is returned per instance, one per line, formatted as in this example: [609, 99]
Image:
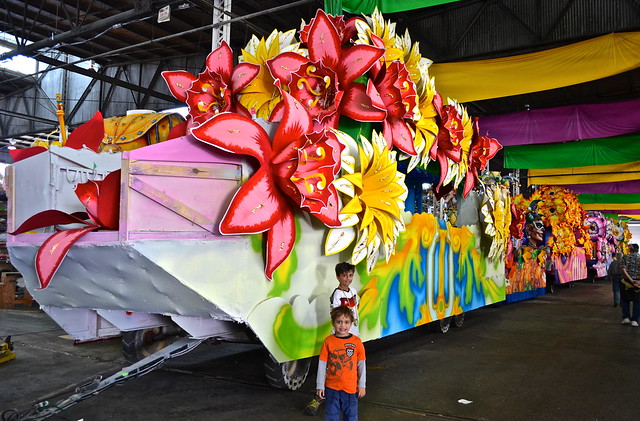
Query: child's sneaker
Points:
[312, 407]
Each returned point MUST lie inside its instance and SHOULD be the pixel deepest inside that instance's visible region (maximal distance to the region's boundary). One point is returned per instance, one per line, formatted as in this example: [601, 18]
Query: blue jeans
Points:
[338, 401]
[625, 304]
[615, 284]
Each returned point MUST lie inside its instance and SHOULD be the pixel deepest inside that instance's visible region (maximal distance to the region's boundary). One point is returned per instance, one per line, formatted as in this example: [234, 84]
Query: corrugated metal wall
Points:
[483, 29]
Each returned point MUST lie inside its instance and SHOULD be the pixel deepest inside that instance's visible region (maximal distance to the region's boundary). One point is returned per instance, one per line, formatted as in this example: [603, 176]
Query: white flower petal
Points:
[338, 239]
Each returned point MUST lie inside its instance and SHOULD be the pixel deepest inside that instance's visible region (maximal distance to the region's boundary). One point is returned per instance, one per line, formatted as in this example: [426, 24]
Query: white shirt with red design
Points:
[350, 299]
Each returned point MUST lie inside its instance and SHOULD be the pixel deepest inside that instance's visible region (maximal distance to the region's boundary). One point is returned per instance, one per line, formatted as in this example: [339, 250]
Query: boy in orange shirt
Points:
[342, 372]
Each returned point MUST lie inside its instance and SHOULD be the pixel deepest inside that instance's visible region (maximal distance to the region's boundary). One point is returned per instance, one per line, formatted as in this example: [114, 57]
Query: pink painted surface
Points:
[182, 149]
[178, 189]
[92, 238]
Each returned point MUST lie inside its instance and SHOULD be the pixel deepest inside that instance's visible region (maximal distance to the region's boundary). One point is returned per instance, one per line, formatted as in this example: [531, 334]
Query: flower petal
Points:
[296, 122]
[109, 201]
[235, 133]
[53, 251]
[356, 61]
[89, 134]
[47, 218]
[356, 104]
[280, 240]
[338, 240]
[102, 200]
[284, 64]
[242, 75]
[256, 207]
[395, 128]
[220, 61]
[324, 40]
[178, 82]
[325, 210]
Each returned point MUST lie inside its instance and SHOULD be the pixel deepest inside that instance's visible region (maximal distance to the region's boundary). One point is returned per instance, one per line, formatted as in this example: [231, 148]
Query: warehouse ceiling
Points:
[118, 33]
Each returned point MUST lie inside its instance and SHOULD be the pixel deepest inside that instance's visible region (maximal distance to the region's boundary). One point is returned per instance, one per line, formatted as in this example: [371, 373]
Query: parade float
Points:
[314, 149]
[550, 243]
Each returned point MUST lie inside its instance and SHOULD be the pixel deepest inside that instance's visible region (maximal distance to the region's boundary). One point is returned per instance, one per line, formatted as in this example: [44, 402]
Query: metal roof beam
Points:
[28, 117]
[105, 78]
[141, 9]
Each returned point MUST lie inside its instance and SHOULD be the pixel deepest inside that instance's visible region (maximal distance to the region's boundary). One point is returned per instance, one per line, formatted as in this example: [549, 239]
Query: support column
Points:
[221, 12]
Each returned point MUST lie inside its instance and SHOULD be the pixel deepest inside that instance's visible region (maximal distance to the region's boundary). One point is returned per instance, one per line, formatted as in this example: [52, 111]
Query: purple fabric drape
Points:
[626, 187]
[550, 125]
[622, 211]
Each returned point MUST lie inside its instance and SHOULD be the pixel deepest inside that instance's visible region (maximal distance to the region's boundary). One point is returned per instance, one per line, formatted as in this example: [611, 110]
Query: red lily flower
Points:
[391, 98]
[347, 30]
[483, 148]
[318, 163]
[320, 81]
[295, 166]
[101, 200]
[213, 90]
[448, 142]
[516, 229]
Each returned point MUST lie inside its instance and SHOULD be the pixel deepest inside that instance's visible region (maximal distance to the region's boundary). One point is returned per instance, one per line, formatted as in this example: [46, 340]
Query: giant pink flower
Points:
[321, 81]
[294, 167]
[212, 91]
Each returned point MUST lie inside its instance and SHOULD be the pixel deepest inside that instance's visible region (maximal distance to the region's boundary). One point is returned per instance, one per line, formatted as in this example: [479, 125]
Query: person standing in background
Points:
[630, 286]
[615, 274]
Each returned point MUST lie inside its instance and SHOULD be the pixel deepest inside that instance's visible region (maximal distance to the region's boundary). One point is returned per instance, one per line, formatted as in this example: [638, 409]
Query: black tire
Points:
[458, 320]
[442, 325]
[289, 375]
[139, 344]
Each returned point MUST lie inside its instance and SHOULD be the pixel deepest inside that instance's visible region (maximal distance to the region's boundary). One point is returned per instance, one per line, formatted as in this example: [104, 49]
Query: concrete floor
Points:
[563, 356]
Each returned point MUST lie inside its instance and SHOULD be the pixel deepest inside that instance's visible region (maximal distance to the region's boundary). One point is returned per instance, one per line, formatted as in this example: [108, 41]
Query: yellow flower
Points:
[416, 64]
[376, 192]
[261, 95]
[426, 127]
[376, 25]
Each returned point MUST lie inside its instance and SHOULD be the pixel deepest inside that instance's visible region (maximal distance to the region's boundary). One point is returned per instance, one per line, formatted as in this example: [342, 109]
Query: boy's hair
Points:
[343, 267]
[341, 311]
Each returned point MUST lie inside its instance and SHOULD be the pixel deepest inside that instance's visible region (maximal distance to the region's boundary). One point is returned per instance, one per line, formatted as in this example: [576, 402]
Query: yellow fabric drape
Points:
[588, 174]
[611, 206]
[564, 66]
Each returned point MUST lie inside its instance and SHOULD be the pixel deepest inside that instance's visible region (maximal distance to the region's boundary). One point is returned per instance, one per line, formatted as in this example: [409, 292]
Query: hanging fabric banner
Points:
[584, 175]
[575, 122]
[613, 150]
[387, 6]
[619, 208]
[620, 187]
[584, 61]
[587, 199]
[623, 212]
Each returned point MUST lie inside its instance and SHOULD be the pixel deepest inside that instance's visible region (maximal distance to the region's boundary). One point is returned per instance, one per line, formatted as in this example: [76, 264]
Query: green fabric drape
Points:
[603, 151]
[609, 198]
[629, 171]
[386, 6]
[584, 61]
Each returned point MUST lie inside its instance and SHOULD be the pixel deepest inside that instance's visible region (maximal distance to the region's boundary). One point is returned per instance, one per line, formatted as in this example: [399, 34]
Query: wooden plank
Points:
[219, 171]
[123, 226]
[171, 203]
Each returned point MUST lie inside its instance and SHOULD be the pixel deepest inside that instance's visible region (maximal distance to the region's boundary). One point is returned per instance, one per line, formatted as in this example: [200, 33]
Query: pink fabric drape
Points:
[550, 125]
